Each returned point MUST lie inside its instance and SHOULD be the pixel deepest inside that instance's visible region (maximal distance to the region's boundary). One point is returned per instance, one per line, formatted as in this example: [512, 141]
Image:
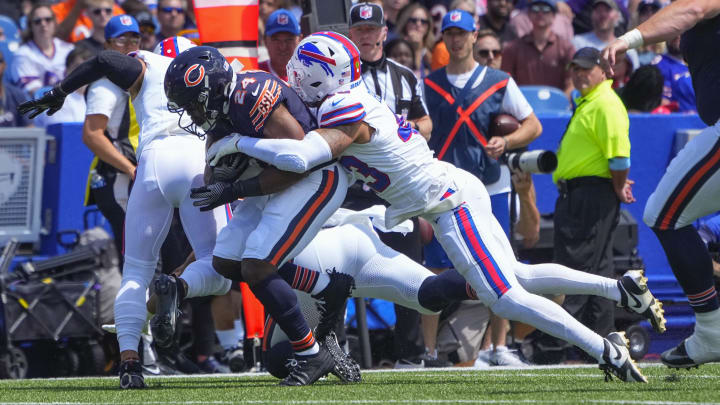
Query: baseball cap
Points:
[551, 3]
[610, 3]
[460, 19]
[121, 24]
[144, 18]
[656, 4]
[282, 21]
[586, 57]
[367, 14]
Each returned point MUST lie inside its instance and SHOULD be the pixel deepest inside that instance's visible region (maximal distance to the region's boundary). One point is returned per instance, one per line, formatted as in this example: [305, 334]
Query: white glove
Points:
[225, 146]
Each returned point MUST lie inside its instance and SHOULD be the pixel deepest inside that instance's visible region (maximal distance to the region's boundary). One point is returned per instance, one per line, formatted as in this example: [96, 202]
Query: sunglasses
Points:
[418, 21]
[99, 11]
[121, 41]
[541, 8]
[169, 10]
[489, 53]
[40, 20]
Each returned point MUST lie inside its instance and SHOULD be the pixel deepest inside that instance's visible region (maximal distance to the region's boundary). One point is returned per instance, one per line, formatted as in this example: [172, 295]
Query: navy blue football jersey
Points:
[257, 94]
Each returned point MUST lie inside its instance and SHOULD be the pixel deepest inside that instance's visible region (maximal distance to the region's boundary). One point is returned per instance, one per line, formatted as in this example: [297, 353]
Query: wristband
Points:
[633, 38]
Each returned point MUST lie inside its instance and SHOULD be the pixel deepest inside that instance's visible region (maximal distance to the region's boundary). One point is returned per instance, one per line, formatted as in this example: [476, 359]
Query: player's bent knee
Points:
[255, 270]
[228, 268]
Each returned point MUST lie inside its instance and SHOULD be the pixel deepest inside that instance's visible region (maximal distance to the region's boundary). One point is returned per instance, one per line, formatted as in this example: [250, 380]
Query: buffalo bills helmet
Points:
[323, 63]
[173, 46]
[199, 81]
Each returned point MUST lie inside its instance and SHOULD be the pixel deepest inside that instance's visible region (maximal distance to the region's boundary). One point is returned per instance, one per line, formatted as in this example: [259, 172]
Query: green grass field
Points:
[533, 385]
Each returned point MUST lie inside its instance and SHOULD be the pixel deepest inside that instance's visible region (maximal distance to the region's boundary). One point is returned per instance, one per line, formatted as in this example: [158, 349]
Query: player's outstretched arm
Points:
[125, 71]
[671, 21]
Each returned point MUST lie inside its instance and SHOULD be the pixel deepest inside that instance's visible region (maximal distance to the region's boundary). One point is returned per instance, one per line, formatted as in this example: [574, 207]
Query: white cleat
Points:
[616, 360]
[635, 296]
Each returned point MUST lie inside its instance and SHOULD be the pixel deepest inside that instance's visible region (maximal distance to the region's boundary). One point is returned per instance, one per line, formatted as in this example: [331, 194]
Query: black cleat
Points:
[131, 375]
[346, 369]
[235, 359]
[332, 302]
[305, 370]
[635, 296]
[677, 357]
[616, 360]
[167, 312]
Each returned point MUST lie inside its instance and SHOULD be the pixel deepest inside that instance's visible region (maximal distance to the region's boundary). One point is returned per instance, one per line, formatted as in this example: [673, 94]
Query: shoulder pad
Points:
[340, 109]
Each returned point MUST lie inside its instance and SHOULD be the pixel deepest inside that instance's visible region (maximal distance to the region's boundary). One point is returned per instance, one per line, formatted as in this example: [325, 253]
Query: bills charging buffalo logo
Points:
[455, 16]
[309, 54]
[283, 19]
[365, 12]
[192, 82]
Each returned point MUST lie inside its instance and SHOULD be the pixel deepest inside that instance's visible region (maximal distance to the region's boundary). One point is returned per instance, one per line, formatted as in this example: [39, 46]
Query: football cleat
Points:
[167, 312]
[131, 375]
[332, 302]
[635, 296]
[212, 366]
[346, 368]
[305, 370]
[616, 360]
[678, 356]
[505, 357]
[235, 359]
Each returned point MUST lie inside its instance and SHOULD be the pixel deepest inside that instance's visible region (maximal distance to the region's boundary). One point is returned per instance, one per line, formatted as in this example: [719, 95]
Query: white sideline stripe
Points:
[224, 3]
[382, 401]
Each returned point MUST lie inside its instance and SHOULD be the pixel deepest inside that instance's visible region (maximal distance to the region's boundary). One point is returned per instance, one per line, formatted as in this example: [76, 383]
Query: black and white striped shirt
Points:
[396, 86]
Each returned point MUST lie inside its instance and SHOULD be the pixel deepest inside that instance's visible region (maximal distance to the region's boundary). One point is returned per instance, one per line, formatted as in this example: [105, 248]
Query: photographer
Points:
[592, 179]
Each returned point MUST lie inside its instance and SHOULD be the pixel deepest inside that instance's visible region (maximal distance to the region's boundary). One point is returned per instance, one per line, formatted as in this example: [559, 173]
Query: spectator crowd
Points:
[427, 60]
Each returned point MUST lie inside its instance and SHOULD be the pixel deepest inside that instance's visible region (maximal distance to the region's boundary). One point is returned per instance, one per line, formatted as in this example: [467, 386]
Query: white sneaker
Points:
[502, 356]
[635, 296]
[616, 360]
[483, 359]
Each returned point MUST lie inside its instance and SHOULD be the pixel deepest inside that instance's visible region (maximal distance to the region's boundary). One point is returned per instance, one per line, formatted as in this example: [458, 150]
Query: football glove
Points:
[225, 146]
[51, 101]
[213, 195]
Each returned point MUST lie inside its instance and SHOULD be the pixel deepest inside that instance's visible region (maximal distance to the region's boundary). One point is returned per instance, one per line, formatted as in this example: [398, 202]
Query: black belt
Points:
[565, 186]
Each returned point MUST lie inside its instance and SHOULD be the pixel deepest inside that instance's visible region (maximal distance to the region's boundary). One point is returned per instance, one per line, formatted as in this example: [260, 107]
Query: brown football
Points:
[503, 124]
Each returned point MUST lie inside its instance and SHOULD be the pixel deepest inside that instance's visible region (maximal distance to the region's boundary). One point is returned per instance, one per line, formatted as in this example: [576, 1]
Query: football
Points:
[503, 124]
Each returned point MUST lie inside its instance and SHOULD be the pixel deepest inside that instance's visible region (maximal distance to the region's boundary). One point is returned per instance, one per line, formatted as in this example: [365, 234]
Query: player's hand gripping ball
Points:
[230, 167]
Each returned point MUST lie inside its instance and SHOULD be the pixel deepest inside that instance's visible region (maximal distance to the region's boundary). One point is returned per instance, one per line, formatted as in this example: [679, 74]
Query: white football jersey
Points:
[150, 104]
[397, 163]
[34, 70]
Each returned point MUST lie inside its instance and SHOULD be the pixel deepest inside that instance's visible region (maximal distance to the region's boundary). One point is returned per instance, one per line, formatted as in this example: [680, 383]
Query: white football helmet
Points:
[323, 63]
[173, 46]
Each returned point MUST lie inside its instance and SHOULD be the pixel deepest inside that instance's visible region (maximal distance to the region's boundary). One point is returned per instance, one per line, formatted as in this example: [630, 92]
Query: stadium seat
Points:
[546, 98]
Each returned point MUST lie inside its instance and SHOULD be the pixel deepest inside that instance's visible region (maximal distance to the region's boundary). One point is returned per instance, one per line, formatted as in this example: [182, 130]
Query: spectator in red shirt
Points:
[282, 34]
[540, 57]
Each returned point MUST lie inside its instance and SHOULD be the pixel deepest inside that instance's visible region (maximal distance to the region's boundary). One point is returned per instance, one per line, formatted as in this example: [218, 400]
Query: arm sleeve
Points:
[514, 102]
[121, 69]
[288, 154]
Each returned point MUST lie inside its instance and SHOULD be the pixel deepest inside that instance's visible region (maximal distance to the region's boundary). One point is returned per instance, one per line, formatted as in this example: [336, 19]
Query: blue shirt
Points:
[678, 83]
[11, 98]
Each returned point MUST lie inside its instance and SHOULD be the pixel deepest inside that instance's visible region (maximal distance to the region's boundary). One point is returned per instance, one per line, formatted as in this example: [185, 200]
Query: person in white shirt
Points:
[605, 14]
[40, 60]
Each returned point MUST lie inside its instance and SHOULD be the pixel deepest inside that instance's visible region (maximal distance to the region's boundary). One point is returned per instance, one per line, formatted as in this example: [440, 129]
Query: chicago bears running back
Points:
[390, 157]
[201, 83]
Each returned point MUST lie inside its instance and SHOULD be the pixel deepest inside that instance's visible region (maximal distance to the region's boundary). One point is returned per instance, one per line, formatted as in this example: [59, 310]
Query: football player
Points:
[389, 157]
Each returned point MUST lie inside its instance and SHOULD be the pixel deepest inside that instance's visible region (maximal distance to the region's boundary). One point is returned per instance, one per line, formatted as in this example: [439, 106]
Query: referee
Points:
[397, 87]
[592, 179]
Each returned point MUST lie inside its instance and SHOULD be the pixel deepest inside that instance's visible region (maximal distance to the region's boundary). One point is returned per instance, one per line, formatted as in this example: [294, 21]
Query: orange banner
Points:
[232, 27]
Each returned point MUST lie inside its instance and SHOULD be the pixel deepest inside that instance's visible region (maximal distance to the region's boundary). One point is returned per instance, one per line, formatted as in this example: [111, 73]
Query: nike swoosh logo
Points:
[334, 103]
[619, 355]
[638, 304]
[255, 93]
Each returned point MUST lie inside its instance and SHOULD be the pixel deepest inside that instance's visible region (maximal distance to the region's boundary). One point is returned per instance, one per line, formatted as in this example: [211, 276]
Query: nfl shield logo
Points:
[125, 20]
[365, 12]
[455, 16]
[283, 19]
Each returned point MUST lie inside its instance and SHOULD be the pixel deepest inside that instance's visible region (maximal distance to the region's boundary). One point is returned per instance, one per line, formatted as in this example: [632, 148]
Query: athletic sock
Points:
[227, 338]
[281, 303]
[239, 330]
[692, 266]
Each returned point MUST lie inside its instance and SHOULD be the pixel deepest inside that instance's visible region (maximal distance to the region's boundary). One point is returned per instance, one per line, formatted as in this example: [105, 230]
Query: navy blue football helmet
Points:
[199, 81]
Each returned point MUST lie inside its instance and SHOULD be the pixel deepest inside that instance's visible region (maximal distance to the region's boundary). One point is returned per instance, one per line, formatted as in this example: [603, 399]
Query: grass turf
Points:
[534, 385]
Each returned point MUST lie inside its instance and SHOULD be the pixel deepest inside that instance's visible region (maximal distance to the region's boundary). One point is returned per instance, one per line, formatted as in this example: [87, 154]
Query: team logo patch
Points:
[283, 19]
[455, 16]
[309, 54]
[365, 12]
[198, 77]
[125, 20]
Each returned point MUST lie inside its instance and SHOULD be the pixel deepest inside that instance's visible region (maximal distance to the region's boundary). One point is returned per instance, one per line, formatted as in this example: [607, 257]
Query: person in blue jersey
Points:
[689, 188]
[678, 92]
